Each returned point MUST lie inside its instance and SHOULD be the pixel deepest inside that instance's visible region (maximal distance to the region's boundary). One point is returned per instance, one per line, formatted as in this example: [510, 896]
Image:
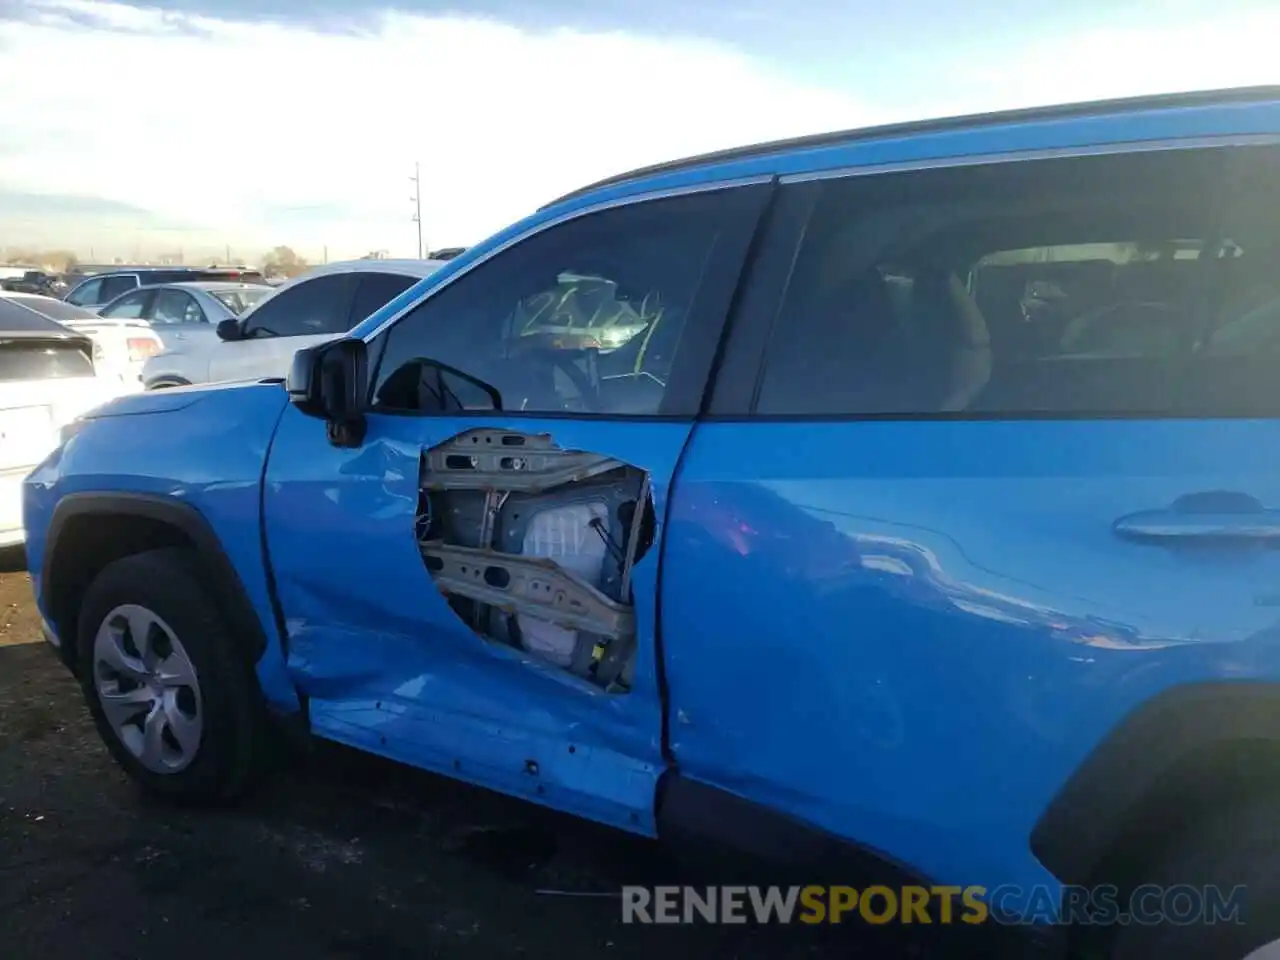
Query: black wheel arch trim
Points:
[693, 811]
[224, 579]
[1092, 809]
[731, 839]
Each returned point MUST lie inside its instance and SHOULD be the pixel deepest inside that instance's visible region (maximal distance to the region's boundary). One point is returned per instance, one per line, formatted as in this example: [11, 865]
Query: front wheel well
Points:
[1212, 778]
[86, 545]
[162, 383]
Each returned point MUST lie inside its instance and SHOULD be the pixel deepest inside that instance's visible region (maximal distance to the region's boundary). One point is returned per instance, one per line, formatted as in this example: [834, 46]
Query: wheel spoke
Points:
[148, 688]
[142, 628]
[121, 706]
[185, 729]
[175, 670]
[109, 648]
[153, 739]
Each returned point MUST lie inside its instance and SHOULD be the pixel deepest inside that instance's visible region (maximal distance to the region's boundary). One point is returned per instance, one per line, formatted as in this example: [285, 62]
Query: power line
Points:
[416, 200]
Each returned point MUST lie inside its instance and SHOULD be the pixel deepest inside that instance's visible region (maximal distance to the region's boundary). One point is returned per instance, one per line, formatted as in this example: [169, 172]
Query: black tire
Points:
[1236, 847]
[235, 740]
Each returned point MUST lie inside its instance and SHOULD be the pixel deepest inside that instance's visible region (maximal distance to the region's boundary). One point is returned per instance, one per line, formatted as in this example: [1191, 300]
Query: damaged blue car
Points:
[910, 492]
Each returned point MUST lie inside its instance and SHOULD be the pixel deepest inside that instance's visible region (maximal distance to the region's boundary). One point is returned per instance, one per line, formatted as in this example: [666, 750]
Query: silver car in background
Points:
[149, 320]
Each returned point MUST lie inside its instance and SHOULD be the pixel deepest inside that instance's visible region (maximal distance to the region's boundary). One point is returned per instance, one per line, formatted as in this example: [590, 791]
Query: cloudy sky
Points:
[199, 123]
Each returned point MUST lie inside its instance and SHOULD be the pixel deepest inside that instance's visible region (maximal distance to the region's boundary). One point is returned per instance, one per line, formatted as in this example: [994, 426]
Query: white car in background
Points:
[47, 379]
[120, 347]
[318, 305]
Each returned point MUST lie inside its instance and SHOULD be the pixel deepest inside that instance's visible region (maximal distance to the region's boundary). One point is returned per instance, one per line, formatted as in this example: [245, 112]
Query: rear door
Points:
[473, 589]
[994, 459]
[308, 312]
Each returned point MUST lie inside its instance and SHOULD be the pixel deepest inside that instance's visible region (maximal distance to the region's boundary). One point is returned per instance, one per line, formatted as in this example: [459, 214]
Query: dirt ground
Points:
[339, 856]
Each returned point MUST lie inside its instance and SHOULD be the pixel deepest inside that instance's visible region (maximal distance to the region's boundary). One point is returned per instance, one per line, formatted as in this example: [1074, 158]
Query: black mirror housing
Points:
[228, 329]
[331, 380]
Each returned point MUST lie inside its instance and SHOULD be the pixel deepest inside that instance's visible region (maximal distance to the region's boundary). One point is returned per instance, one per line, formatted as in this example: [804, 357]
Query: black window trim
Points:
[550, 222]
[711, 349]
[761, 308]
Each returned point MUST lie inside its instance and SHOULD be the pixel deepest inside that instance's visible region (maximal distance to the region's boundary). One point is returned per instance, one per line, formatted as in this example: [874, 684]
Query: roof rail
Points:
[1163, 101]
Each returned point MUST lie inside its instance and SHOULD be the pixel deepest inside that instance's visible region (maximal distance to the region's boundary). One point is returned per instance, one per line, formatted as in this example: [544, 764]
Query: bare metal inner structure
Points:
[534, 547]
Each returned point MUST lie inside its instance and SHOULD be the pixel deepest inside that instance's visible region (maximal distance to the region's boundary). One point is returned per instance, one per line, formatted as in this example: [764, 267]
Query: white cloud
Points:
[217, 125]
[213, 126]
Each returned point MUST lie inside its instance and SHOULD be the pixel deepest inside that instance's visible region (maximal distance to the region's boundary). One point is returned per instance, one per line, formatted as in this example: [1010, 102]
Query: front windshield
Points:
[238, 301]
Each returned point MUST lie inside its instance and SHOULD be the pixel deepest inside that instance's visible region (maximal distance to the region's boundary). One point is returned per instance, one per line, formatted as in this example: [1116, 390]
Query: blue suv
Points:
[913, 490]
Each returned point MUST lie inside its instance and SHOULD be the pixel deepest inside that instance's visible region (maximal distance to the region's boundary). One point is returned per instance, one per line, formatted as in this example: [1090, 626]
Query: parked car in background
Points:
[120, 346]
[36, 281]
[101, 288]
[47, 379]
[446, 253]
[323, 302]
[831, 561]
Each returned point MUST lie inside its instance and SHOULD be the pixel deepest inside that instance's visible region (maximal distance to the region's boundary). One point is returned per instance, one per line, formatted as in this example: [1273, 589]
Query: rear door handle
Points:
[1203, 516]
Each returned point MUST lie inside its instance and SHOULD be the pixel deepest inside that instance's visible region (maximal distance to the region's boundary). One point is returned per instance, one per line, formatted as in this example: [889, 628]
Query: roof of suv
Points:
[214, 286]
[1094, 108]
[408, 268]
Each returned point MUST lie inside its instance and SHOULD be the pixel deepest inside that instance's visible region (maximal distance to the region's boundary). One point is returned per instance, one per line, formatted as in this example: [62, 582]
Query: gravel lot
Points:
[339, 856]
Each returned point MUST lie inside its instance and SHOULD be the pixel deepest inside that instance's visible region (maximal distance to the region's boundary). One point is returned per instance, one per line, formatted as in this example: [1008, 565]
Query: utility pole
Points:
[416, 200]
[228, 260]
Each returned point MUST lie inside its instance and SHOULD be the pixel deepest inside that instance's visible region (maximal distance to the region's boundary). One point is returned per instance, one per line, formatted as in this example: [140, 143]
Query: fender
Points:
[1153, 756]
[223, 580]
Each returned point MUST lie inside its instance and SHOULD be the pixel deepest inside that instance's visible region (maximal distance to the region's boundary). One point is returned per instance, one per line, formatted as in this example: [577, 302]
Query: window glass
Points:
[128, 307]
[176, 306]
[87, 292]
[586, 317]
[314, 306]
[112, 287]
[375, 290]
[238, 301]
[58, 310]
[1091, 285]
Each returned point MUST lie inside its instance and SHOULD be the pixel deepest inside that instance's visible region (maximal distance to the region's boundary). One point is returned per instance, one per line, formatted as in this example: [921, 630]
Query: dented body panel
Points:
[388, 665]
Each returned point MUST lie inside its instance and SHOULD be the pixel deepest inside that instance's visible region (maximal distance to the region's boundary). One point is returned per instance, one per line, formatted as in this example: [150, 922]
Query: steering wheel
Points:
[588, 392]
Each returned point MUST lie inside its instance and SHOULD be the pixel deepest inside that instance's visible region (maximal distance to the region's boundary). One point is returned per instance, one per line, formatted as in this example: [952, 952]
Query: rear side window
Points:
[375, 290]
[87, 292]
[112, 287]
[176, 306]
[131, 306]
[1141, 284]
[315, 306]
[60, 310]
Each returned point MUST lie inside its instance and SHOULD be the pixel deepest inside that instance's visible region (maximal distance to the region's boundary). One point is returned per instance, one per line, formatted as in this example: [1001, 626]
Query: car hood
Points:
[177, 398]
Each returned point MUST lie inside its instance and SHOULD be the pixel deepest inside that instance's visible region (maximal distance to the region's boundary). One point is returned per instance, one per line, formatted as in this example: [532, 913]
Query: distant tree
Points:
[57, 261]
[375, 255]
[283, 262]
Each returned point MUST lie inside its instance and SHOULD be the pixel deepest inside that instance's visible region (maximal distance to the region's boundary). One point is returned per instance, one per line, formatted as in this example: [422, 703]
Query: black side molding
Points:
[1158, 749]
[77, 556]
[718, 823]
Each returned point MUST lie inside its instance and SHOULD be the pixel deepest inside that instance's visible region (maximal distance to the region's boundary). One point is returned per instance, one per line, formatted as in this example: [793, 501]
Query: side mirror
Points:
[331, 380]
[228, 329]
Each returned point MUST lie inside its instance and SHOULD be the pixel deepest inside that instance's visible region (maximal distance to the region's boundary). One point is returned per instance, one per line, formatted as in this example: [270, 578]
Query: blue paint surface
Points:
[907, 633]
[204, 447]
[941, 618]
[389, 667]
